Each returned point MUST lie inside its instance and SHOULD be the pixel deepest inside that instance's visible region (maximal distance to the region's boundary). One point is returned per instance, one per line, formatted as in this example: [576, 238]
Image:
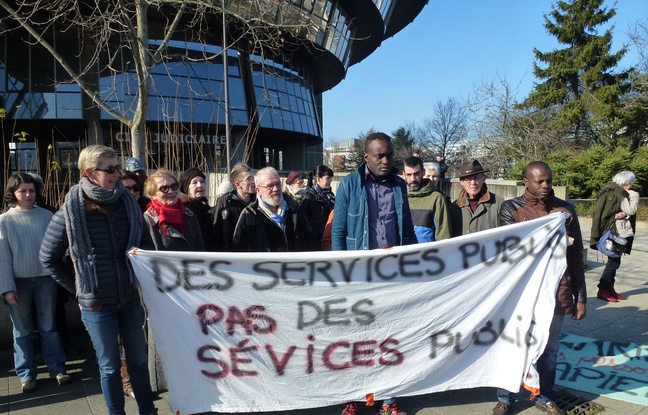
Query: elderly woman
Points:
[194, 196]
[173, 227]
[99, 222]
[26, 286]
[616, 202]
[317, 204]
[294, 189]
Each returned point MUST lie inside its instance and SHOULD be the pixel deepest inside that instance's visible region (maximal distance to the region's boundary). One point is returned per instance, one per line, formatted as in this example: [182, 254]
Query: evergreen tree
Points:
[578, 85]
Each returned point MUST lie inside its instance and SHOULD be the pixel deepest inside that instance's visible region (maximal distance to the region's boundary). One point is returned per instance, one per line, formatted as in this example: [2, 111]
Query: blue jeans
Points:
[39, 294]
[609, 273]
[105, 326]
[546, 366]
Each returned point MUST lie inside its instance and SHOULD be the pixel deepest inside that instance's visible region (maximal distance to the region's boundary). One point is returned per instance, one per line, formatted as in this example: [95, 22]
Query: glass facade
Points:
[183, 91]
[273, 87]
[284, 98]
[322, 22]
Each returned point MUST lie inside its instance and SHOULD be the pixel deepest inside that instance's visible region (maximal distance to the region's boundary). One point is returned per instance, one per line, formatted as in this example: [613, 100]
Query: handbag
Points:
[611, 245]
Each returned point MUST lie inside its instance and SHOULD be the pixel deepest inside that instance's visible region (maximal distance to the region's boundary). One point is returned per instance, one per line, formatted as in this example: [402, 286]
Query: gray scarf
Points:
[81, 250]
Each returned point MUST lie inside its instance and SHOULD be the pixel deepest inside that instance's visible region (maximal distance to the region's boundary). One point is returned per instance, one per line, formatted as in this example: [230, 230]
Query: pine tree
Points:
[578, 85]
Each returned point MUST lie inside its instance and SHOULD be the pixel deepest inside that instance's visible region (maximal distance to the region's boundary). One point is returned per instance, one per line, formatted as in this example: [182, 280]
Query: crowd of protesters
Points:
[83, 245]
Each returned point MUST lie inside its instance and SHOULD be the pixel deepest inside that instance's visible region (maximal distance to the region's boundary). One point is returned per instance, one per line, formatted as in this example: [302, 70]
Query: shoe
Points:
[606, 295]
[29, 386]
[391, 409]
[616, 294]
[126, 382]
[351, 409]
[501, 408]
[63, 378]
[550, 407]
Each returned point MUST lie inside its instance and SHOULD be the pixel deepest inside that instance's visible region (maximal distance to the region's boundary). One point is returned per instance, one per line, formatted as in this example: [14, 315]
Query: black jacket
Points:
[224, 216]
[256, 232]
[316, 210]
[109, 236]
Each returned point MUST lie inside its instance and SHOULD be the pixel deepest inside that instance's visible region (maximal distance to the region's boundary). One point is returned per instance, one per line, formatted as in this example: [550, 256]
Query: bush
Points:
[585, 173]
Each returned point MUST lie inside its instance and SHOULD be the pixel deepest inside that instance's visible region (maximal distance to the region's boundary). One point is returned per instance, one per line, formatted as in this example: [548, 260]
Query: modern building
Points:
[274, 85]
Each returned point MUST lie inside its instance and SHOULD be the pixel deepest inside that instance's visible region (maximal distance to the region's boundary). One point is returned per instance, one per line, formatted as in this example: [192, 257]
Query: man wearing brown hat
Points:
[476, 209]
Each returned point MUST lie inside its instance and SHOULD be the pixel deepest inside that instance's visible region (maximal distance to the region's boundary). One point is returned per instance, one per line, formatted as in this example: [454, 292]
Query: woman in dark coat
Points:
[98, 223]
[317, 204]
[610, 203]
[173, 227]
[193, 191]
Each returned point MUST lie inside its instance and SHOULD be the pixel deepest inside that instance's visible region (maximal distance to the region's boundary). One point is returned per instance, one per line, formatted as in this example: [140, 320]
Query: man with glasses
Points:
[268, 224]
[229, 206]
[476, 209]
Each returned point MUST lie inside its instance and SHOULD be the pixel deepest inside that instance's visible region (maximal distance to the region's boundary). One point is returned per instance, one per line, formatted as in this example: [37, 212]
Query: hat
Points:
[470, 168]
[185, 178]
[133, 164]
[224, 187]
[293, 177]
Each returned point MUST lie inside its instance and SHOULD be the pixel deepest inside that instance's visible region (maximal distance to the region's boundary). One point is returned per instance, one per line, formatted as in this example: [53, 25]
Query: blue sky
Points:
[451, 47]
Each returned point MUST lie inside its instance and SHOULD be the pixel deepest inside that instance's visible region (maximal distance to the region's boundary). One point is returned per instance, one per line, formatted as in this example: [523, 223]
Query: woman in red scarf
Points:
[172, 227]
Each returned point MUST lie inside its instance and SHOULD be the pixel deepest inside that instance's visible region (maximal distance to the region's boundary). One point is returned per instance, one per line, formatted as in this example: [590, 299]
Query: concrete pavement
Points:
[622, 321]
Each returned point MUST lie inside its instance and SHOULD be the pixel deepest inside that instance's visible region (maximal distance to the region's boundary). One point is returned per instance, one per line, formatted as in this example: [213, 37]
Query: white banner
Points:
[241, 332]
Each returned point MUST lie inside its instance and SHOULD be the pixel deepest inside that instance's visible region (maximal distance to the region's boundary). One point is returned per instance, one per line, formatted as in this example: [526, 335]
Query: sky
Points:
[451, 47]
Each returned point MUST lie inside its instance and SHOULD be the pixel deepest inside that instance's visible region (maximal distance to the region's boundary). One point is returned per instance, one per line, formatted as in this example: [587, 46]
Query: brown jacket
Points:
[572, 284]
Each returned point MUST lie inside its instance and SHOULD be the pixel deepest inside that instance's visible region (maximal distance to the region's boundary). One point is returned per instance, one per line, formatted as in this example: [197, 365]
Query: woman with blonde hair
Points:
[98, 223]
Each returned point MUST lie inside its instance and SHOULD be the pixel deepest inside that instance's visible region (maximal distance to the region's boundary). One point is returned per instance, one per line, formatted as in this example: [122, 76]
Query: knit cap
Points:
[293, 177]
[185, 178]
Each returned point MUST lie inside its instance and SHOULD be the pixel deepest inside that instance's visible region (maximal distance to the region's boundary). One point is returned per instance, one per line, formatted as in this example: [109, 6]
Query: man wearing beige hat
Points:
[476, 209]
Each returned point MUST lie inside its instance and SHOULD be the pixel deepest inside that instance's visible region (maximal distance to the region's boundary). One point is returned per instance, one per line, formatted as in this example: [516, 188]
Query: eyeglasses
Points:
[110, 169]
[134, 188]
[270, 186]
[165, 188]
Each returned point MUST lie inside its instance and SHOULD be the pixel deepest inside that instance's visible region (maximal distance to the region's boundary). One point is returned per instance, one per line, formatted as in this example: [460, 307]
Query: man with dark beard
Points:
[269, 224]
[430, 214]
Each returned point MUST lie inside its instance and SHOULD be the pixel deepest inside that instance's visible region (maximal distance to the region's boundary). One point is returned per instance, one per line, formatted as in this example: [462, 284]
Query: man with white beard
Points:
[269, 224]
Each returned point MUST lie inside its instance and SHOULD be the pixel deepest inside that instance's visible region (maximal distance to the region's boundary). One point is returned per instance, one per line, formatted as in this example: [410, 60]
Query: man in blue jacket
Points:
[372, 211]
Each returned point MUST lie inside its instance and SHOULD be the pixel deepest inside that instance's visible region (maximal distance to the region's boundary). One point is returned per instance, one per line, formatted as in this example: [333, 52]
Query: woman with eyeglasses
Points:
[173, 227]
[131, 183]
[99, 222]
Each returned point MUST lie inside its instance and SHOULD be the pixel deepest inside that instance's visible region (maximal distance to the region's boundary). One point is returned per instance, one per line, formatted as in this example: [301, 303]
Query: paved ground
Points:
[623, 321]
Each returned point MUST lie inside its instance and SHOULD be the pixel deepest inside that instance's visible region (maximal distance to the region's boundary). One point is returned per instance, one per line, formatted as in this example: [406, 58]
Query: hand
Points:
[579, 311]
[620, 215]
[11, 297]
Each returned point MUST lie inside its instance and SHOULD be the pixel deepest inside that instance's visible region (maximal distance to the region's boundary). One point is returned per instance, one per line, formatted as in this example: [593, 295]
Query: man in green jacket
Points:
[429, 208]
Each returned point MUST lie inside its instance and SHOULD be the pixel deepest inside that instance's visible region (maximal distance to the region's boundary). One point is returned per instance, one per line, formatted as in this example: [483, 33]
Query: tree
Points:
[445, 130]
[635, 103]
[117, 37]
[578, 90]
[403, 142]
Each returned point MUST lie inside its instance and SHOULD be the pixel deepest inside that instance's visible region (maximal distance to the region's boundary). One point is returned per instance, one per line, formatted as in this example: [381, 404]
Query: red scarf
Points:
[170, 216]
